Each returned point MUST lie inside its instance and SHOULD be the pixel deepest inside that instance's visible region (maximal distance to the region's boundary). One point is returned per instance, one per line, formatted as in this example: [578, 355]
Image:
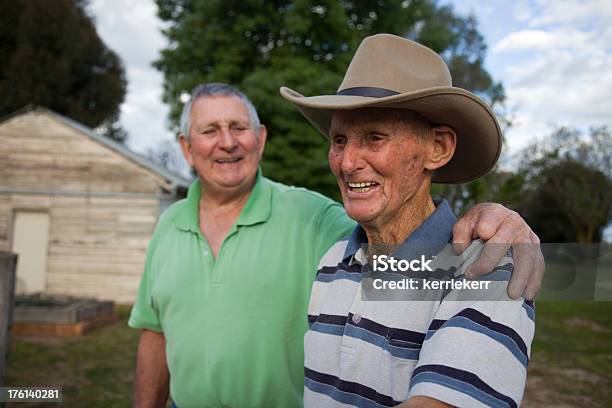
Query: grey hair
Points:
[216, 89]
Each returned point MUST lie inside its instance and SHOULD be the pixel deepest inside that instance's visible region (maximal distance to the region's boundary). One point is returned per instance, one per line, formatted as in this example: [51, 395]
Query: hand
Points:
[498, 225]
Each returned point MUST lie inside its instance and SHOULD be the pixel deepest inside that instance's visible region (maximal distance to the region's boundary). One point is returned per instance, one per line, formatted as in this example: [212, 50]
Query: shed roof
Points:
[176, 180]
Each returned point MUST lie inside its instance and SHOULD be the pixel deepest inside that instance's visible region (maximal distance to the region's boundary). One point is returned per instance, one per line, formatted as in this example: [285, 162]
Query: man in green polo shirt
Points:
[223, 300]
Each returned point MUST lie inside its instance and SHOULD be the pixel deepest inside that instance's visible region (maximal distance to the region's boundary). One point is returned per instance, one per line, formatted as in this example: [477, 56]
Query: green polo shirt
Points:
[234, 325]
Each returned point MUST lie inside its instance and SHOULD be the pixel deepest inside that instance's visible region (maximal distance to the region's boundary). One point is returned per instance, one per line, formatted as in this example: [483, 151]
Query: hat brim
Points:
[479, 136]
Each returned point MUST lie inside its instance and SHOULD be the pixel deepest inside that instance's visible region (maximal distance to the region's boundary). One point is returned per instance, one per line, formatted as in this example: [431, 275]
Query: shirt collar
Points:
[259, 205]
[435, 232]
[256, 210]
[186, 219]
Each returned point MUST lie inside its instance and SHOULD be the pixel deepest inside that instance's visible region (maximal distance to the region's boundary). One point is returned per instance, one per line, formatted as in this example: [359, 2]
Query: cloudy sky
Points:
[553, 57]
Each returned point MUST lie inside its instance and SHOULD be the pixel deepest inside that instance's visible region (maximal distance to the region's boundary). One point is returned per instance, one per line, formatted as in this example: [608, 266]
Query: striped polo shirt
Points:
[465, 349]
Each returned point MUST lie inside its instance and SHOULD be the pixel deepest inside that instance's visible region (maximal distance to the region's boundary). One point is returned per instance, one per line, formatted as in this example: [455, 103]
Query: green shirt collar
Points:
[256, 210]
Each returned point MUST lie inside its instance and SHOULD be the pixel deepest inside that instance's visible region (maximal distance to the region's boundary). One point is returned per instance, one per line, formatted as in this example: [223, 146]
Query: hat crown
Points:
[388, 71]
[396, 64]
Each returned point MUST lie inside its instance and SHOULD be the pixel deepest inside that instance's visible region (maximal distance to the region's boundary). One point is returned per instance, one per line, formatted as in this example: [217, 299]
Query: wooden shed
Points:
[77, 207]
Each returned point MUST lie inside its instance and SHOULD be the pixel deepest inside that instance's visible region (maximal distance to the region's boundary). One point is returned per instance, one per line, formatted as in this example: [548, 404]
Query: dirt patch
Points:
[551, 386]
[576, 374]
[586, 324]
[539, 394]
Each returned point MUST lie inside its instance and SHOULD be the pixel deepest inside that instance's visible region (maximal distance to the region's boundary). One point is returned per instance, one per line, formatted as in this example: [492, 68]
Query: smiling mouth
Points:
[361, 186]
[229, 160]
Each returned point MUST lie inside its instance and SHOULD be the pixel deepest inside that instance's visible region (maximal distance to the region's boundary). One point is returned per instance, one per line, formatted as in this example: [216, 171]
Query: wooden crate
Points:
[42, 315]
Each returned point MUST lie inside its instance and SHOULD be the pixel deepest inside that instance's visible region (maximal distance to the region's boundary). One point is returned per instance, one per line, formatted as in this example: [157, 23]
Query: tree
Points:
[260, 46]
[497, 186]
[567, 194]
[111, 128]
[52, 56]
[168, 154]
[571, 202]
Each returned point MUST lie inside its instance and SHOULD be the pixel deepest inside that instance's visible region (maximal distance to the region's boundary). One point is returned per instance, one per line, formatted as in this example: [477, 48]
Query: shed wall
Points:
[103, 207]
[97, 245]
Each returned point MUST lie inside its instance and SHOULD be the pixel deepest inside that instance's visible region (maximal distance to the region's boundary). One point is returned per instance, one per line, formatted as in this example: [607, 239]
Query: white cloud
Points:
[526, 40]
[557, 70]
[132, 29]
[582, 13]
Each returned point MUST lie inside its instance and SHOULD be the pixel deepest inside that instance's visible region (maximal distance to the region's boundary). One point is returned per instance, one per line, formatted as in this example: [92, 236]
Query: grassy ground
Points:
[95, 370]
[571, 363]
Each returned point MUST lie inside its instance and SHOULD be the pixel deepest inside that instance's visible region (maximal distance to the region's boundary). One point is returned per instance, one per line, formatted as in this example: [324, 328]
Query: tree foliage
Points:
[567, 190]
[571, 202]
[562, 186]
[52, 56]
[260, 46]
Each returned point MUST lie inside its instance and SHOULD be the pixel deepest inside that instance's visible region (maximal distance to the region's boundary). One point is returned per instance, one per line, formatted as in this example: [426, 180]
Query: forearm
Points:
[423, 402]
[151, 380]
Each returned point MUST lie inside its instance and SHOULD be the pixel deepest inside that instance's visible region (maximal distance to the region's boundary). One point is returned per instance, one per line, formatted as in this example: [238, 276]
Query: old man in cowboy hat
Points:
[396, 125]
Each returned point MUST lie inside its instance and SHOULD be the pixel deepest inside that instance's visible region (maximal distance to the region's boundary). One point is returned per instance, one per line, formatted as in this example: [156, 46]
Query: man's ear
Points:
[186, 149]
[262, 136]
[444, 141]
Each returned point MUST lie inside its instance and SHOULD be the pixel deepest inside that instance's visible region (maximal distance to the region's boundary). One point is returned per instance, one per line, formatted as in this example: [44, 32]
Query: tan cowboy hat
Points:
[388, 71]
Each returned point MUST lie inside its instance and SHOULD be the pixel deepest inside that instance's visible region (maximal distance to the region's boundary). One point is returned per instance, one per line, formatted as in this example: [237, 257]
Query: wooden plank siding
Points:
[39, 151]
[103, 207]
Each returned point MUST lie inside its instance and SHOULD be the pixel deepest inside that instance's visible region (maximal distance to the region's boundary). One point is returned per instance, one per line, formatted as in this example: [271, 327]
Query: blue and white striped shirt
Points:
[465, 350]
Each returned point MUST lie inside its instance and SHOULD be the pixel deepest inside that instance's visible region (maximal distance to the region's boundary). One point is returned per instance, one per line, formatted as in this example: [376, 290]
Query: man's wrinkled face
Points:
[378, 162]
[223, 147]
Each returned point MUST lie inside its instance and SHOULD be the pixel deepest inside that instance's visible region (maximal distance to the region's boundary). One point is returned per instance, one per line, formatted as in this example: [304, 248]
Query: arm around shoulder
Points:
[332, 224]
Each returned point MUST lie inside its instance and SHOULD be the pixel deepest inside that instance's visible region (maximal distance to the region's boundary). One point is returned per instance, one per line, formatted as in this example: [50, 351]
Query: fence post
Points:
[8, 264]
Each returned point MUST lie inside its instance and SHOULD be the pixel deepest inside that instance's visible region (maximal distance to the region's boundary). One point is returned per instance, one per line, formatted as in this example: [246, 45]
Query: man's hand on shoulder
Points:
[503, 228]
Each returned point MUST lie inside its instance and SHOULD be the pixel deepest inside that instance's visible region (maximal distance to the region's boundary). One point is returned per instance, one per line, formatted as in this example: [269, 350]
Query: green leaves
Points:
[52, 56]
